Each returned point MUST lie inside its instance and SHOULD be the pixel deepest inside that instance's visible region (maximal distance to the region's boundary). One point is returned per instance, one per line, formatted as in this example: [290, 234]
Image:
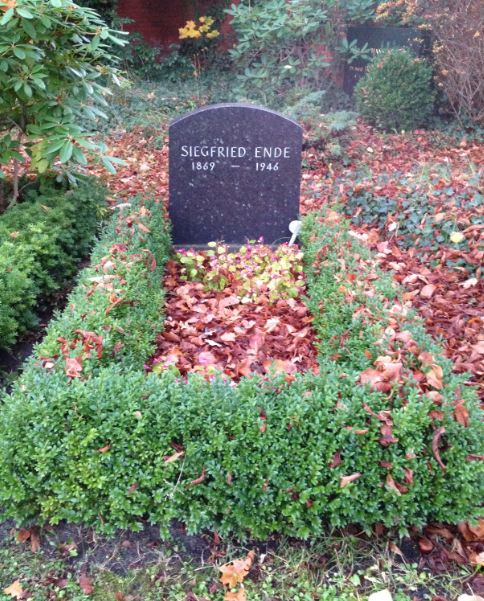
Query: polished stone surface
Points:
[234, 175]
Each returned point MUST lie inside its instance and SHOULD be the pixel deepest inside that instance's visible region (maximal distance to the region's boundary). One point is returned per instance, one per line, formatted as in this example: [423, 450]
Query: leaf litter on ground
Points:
[247, 320]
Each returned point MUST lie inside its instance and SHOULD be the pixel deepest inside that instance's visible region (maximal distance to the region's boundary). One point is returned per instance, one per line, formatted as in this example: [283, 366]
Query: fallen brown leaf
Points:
[15, 590]
[435, 446]
[428, 291]
[35, 539]
[425, 544]
[234, 573]
[345, 480]
[174, 457]
[22, 535]
[461, 414]
[198, 480]
[85, 583]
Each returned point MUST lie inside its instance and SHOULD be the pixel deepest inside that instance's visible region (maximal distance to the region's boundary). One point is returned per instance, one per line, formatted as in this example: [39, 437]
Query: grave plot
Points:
[234, 176]
[377, 436]
[382, 433]
[237, 312]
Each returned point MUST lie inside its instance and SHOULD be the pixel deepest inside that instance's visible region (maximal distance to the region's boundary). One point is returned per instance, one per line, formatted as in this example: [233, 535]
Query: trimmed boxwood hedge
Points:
[42, 241]
[114, 446]
[396, 91]
[119, 298]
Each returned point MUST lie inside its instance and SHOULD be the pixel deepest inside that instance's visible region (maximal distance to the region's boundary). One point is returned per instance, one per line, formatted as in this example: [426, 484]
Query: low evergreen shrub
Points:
[396, 91]
[42, 241]
[116, 309]
[385, 433]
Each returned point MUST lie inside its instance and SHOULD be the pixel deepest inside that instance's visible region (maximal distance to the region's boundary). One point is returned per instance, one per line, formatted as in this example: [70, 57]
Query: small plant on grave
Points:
[253, 271]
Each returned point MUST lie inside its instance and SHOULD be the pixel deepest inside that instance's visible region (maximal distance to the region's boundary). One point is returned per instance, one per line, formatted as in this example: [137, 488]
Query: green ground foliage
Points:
[87, 437]
[42, 241]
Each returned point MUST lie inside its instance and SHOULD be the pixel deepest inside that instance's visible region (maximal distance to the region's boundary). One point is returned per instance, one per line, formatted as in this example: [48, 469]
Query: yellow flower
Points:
[189, 31]
[213, 34]
[210, 21]
[457, 237]
[204, 28]
[202, 19]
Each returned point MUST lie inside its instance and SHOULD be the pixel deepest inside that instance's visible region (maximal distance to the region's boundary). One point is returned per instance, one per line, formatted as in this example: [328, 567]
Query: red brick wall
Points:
[158, 21]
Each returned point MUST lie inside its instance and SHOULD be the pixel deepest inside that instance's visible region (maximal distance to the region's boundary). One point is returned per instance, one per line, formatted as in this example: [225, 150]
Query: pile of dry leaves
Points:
[208, 330]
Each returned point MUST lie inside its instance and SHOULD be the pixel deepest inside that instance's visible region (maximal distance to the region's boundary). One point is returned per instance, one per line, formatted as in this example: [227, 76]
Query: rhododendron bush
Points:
[55, 61]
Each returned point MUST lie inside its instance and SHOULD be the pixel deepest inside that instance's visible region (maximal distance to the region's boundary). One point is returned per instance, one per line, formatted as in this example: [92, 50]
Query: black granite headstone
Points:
[234, 175]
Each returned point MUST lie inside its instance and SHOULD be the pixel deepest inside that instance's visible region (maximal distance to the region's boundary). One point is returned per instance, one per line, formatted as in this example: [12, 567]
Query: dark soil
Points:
[80, 548]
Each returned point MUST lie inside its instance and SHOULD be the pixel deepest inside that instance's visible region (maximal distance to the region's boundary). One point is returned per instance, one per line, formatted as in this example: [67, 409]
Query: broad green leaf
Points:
[116, 160]
[42, 165]
[19, 53]
[54, 147]
[7, 16]
[79, 156]
[24, 12]
[30, 29]
[108, 165]
[87, 144]
[66, 152]
[39, 83]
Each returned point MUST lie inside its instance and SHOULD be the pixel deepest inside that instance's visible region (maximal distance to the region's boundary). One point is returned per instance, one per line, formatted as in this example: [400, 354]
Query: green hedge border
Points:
[42, 242]
[119, 298]
[116, 445]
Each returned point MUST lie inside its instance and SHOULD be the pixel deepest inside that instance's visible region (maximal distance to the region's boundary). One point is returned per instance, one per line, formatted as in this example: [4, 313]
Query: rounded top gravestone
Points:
[234, 175]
